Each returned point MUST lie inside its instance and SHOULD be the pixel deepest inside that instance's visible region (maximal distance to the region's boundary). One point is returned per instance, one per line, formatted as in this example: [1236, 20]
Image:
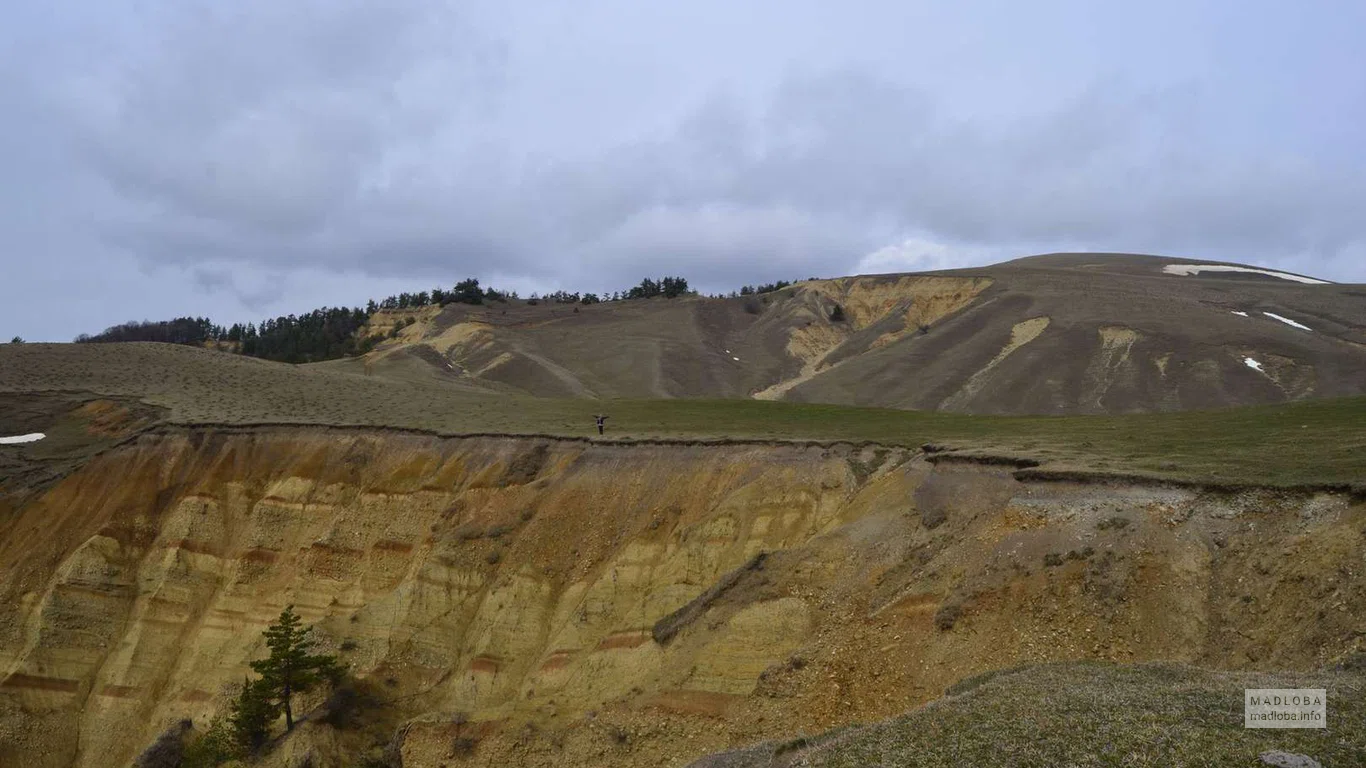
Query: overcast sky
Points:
[258, 157]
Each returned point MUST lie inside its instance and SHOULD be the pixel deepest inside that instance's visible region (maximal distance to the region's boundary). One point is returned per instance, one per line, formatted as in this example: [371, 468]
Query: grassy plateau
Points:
[1309, 442]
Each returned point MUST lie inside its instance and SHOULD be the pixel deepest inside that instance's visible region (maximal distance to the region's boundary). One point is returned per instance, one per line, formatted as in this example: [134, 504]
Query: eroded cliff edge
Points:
[519, 585]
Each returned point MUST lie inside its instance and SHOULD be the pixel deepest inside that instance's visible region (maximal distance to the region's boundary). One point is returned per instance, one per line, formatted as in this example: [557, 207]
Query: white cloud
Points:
[921, 255]
[584, 147]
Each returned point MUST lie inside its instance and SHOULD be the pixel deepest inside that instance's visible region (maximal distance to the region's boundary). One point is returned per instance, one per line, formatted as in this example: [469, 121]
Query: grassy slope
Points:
[1085, 713]
[1320, 441]
[1309, 442]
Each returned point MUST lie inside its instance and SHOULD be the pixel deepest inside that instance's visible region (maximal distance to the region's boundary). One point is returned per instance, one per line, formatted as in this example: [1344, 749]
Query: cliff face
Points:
[567, 603]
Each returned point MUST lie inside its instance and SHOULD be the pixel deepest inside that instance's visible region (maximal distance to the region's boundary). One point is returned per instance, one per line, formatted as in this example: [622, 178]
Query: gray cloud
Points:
[411, 140]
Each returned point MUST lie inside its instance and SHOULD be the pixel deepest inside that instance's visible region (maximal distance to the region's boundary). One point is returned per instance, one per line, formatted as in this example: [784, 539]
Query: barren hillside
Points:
[1067, 333]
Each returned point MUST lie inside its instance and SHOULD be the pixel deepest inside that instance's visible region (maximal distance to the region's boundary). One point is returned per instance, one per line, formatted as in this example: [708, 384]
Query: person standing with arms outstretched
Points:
[600, 420]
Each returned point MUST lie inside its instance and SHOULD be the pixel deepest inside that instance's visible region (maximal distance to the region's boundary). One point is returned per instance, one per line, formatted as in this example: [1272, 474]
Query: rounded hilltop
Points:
[1049, 334]
[1146, 264]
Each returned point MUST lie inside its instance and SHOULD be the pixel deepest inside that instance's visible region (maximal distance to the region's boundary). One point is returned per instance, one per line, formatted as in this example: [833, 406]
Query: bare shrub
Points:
[948, 615]
[345, 705]
[499, 531]
[469, 532]
[463, 746]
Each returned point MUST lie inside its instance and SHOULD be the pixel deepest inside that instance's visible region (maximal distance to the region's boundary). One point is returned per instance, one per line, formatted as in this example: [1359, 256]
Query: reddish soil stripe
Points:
[197, 547]
[41, 683]
[119, 691]
[557, 660]
[260, 555]
[393, 546]
[688, 702]
[485, 664]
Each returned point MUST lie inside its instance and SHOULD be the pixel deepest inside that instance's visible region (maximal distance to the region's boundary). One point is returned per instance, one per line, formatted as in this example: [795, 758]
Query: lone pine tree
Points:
[292, 668]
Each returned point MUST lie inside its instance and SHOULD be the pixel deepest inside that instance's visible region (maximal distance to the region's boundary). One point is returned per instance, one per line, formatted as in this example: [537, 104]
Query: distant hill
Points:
[1059, 333]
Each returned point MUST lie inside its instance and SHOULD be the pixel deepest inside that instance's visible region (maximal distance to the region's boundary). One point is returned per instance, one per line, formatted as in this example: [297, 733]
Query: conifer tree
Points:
[468, 292]
[291, 667]
[251, 714]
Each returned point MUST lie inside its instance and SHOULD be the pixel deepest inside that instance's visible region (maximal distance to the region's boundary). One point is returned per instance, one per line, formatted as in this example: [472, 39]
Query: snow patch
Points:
[1253, 364]
[32, 437]
[1239, 314]
[1194, 269]
[1287, 321]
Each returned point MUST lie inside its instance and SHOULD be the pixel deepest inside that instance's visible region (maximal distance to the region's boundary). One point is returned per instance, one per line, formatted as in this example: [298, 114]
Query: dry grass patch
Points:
[1087, 714]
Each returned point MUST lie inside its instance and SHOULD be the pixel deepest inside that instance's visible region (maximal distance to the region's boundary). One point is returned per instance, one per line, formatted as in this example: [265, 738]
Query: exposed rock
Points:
[1288, 760]
[134, 591]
